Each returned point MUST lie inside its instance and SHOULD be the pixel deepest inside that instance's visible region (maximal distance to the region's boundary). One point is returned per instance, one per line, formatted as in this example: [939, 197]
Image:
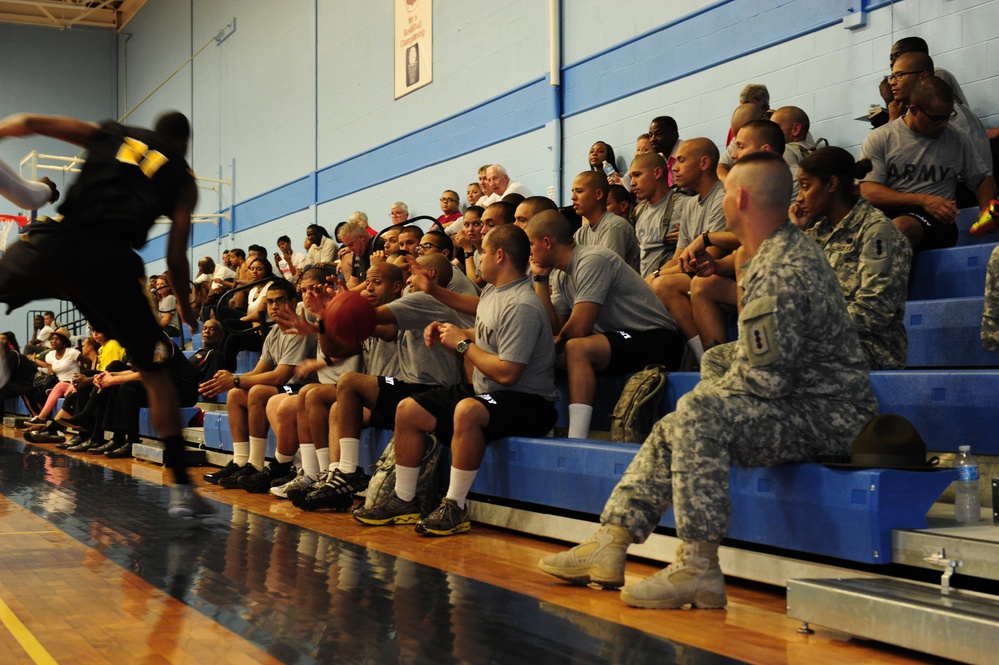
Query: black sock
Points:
[173, 459]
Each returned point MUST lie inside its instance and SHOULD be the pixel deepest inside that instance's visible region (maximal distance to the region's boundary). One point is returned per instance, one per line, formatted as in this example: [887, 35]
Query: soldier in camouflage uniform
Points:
[796, 389]
[990, 318]
[870, 256]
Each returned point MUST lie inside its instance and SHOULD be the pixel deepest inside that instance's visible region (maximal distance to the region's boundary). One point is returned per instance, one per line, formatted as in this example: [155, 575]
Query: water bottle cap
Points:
[964, 449]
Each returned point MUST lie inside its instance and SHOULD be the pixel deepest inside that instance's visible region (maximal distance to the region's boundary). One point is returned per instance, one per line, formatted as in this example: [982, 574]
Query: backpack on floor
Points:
[382, 483]
[639, 406]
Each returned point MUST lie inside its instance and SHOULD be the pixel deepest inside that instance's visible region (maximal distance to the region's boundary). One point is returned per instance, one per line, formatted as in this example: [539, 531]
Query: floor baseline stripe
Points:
[31, 646]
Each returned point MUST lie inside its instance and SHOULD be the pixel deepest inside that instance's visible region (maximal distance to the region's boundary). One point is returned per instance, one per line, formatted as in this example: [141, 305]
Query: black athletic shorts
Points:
[100, 275]
[936, 234]
[511, 413]
[632, 351]
[391, 391]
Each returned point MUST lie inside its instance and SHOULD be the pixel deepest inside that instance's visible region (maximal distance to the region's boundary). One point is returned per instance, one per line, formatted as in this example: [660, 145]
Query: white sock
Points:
[323, 455]
[350, 451]
[310, 460]
[579, 421]
[22, 193]
[258, 448]
[695, 345]
[461, 482]
[405, 481]
[240, 452]
[283, 459]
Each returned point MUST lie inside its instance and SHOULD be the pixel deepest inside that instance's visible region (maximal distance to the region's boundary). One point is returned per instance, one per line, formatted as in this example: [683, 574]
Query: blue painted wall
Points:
[296, 106]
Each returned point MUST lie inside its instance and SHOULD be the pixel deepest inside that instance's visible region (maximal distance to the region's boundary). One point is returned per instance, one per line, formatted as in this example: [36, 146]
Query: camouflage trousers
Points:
[687, 458]
[990, 317]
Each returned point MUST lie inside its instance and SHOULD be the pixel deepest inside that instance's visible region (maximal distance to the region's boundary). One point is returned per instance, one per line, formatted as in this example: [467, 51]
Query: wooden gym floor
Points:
[93, 571]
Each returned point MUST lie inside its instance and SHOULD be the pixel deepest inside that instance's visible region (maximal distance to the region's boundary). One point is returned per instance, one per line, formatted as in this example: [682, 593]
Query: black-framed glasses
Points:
[897, 75]
[426, 246]
[448, 198]
[937, 118]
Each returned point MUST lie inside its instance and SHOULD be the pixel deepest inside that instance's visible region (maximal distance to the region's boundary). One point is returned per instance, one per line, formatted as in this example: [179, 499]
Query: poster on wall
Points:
[414, 38]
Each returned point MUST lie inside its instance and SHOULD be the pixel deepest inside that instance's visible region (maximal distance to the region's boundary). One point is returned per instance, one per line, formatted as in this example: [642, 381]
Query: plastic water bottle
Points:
[609, 169]
[967, 509]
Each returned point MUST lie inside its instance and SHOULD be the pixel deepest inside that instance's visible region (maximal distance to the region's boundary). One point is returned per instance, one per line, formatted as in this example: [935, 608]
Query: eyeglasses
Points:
[448, 198]
[426, 246]
[280, 302]
[936, 118]
[898, 75]
[395, 213]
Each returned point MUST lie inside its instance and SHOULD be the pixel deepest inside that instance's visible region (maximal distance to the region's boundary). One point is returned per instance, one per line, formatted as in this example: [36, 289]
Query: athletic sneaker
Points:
[300, 481]
[337, 493]
[447, 520]
[260, 482]
[293, 472]
[184, 502]
[231, 482]
[392, 510]
[215, 476]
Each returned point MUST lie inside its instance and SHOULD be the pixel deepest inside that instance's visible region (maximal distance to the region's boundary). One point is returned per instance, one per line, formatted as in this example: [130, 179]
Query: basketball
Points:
[349, 318]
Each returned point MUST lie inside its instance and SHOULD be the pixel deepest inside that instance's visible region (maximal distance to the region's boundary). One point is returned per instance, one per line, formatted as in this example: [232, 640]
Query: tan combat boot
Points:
[600, 560]
[694, 579]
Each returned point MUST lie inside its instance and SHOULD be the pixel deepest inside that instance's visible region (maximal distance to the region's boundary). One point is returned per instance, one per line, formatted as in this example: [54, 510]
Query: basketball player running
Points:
[131, 177]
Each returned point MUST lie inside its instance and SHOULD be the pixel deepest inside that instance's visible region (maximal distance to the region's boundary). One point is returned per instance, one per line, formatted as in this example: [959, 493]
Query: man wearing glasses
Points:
[917, 162]
[246, 400]
[435, 242]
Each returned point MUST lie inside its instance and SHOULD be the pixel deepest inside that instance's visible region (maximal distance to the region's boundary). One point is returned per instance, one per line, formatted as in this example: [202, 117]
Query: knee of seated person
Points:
[470, 412]
[258, 395]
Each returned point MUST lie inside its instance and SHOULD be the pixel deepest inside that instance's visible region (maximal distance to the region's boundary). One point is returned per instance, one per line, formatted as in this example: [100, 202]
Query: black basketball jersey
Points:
[131, 177]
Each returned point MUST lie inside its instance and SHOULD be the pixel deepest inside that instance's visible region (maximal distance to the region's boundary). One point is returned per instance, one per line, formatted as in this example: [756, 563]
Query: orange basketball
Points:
[349, 318]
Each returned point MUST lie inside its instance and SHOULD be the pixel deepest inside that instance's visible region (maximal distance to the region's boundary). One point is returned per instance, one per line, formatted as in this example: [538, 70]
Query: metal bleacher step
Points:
[959, 625]
[152, 451]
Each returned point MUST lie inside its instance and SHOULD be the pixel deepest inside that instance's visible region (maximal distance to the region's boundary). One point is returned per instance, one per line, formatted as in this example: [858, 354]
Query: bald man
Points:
[698, 215]
[655, 227]
[743, 113]
[600, 226]
[797, 355]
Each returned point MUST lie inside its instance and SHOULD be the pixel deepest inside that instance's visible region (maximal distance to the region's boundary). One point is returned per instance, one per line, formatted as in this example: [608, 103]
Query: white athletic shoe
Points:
[184, 502]
[299, 483]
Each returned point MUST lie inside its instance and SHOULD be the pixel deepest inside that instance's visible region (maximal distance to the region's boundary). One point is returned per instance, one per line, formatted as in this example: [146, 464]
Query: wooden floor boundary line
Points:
[31, 646]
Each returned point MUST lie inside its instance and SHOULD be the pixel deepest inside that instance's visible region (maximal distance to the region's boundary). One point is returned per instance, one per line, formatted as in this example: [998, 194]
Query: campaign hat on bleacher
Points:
[889, 441]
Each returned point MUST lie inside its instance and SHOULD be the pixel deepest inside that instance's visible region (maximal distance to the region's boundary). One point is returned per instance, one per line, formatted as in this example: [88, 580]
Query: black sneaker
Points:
[215, 476]
[447, 520]
[337, 493]
[260, 482]
[286, 478]
[231, 482]
[392, 510]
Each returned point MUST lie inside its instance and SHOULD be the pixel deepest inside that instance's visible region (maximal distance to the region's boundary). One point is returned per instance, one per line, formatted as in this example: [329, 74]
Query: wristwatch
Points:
[463, 345]
[707, 239]
[235, 381]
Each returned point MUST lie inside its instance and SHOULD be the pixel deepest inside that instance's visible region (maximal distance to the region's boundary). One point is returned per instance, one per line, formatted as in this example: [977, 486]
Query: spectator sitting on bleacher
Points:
[918, 161]
[82, 407]
[293, 261]
[871, 258]
[472, 195]
[305, 423]
[322, 248]
[755, 136]
[604, 316]
[501, 185]
[420, 368]
[794, 123]
[210, 282]
[63, 361]
[435, 242]
[288, 412]
[798, 356]
[125, 396]
[743, 113]
[470, 240]
[621, 202]
[664, 137]
[17, 372]
[399, 213]
[601, 152]
[208, 360]
[450, 207]
[40, 342]
[530, 207]
[248, 393]
[600, 226]
[247, 331]
[166, 307]
[695, 170]
[512, 393]
[642, 145]
[409, 238]
[655, 229]
[354, 261]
